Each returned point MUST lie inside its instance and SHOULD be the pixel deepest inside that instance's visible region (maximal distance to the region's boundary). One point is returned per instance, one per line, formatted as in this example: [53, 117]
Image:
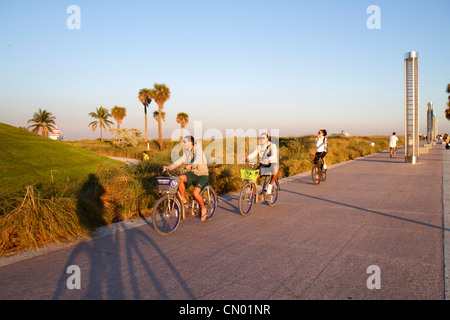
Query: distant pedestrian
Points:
[393, 144]
[146, 157]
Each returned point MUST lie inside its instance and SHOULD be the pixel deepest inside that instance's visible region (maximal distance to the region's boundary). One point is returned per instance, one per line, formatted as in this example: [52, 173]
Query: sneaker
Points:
[269, 189]
[324, 167]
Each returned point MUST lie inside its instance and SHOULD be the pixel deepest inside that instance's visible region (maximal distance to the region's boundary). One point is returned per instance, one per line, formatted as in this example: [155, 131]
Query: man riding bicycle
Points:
[197, 174]
[268, 158]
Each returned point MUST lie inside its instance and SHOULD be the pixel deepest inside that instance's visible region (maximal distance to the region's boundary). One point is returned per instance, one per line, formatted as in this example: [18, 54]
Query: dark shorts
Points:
[197, 181]
[319, 155]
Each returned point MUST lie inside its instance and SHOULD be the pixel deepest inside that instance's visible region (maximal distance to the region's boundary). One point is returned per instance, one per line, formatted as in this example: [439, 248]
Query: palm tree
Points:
[119, 113]
[160, 93]
[44, 121]
[156, 115]
[182, 119]
[102, 121]
[144, 98]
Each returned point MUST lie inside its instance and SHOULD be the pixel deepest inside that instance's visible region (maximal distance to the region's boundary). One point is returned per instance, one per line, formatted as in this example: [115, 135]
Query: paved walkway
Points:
[129, 161]
[318, 242]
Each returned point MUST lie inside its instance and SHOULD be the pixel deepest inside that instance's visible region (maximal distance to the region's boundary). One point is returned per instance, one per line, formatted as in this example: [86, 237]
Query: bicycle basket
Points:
[249, 174]
[168, 184]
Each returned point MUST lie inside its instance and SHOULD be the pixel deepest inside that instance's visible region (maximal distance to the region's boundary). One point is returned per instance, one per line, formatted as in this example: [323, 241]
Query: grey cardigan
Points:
[196, 158]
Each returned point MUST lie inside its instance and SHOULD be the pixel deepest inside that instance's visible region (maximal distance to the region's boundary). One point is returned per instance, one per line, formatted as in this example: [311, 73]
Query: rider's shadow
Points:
[227, 203]
[115, 265]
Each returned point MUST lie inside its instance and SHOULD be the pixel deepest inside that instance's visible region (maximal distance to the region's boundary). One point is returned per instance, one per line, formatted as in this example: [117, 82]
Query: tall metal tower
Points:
[430, 122]
[411, 107]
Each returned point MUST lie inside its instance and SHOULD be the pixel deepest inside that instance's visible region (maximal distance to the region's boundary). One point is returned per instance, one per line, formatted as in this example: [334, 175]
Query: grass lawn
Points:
[27, 158]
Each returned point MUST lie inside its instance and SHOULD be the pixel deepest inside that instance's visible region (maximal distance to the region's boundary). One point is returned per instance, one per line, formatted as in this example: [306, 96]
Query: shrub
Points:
[126, 137]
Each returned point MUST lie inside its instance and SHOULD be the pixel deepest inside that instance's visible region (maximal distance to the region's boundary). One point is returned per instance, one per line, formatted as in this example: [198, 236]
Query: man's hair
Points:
[190, 139]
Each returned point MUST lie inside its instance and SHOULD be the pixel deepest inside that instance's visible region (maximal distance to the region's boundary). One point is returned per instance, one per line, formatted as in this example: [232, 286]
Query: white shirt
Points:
[268, 151]
[393, 141]
[321, 144]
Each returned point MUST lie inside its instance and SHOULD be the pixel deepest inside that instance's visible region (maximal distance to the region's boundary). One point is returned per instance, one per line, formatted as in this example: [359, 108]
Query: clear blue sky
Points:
[296, 66]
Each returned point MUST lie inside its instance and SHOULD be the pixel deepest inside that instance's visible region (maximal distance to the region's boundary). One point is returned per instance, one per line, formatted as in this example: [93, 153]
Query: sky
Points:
[296, 66]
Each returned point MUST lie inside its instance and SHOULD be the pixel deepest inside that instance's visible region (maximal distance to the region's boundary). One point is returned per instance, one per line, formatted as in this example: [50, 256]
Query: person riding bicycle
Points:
[197, 174]
[268, 158]
[321, 147]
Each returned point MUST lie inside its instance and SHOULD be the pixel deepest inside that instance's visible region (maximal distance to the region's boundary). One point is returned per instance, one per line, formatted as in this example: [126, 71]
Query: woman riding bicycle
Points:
[197, 174]
[321, 147]
[268, 158]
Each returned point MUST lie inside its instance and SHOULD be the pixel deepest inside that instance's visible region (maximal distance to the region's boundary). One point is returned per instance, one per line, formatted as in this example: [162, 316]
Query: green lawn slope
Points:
[27, 158]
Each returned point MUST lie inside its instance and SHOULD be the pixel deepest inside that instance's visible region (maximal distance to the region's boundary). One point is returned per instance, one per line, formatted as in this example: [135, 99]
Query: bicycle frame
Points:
[250, 193]
[255, 189]
[192, 203]
[320, 171]
[169, 210]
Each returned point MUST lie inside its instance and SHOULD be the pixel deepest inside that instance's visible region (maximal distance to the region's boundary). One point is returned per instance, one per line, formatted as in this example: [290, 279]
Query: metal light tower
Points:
[411, 107]
[430, 122]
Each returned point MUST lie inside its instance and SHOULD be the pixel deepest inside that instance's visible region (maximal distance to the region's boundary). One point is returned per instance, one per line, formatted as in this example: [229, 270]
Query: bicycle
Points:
[169, 210]
[318, 173]
[250, 195]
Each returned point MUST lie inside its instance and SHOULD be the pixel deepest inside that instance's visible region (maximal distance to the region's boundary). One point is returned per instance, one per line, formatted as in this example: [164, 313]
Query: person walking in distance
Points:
[393, 144]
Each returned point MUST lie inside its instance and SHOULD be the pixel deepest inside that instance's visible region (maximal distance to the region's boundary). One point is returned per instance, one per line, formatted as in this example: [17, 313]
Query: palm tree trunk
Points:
[100, 125]
[181, 138]
[145, 110]
[160, 128]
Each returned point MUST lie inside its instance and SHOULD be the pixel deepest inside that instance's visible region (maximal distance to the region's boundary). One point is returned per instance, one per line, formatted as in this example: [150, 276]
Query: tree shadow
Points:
[368, 210]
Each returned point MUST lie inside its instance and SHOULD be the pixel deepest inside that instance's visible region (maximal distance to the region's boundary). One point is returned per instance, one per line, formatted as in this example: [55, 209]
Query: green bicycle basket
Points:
[249, 174]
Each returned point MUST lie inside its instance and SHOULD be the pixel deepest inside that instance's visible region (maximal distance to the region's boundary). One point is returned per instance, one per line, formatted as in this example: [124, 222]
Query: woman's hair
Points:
[324, 132]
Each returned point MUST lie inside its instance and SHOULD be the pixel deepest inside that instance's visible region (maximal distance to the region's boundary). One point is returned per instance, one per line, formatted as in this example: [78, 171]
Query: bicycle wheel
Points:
[273, 196]
[166, 215]
[315, 174]
[324, 174]
[210, 200]
[246, 198]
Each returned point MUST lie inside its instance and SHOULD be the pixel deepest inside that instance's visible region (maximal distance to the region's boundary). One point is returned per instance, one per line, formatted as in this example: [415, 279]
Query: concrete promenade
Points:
[317, 242]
